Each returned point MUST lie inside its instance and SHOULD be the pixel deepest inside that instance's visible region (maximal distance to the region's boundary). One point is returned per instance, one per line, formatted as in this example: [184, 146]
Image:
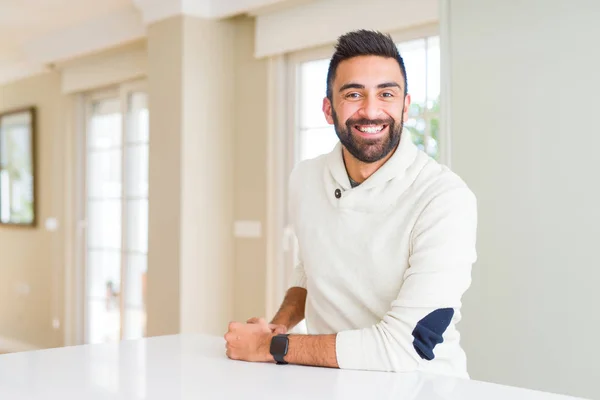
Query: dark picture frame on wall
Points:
[18, 189]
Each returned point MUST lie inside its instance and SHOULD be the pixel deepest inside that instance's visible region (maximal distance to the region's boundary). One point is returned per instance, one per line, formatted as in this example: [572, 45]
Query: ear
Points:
[327, 110]
[406, 107]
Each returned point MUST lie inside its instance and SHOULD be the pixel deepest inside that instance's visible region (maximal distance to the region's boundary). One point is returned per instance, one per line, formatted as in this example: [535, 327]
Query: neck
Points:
[360, 171]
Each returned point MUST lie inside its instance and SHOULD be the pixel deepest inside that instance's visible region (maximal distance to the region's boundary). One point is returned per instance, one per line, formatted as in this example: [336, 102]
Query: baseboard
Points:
[8, 345]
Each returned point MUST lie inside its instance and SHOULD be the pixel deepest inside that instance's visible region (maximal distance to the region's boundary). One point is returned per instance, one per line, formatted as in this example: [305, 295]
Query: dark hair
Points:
[363, 43]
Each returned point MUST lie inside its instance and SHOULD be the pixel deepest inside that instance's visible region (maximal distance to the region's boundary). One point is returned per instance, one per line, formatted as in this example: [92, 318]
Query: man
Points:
[386, 236]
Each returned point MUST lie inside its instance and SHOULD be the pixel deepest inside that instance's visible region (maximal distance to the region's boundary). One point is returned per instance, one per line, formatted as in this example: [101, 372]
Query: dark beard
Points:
[368, 150]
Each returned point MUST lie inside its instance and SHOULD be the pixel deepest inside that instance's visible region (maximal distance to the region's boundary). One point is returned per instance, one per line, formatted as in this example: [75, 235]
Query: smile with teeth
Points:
[370, 128]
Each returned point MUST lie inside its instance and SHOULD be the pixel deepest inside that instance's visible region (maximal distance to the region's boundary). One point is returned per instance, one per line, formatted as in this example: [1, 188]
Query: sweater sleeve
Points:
[440, 261]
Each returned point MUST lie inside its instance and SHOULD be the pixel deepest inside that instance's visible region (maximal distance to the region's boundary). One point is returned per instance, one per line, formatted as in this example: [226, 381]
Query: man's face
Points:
[369, 107]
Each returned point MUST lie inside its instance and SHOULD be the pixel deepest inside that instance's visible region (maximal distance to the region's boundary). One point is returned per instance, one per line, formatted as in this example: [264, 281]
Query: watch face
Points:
[279, 345]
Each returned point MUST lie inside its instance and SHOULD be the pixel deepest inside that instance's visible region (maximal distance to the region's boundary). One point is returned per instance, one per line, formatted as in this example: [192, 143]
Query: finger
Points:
[280, 330]
[232, 337]
[263, 323]
[252, 320]
[277, 328]
[234, 325]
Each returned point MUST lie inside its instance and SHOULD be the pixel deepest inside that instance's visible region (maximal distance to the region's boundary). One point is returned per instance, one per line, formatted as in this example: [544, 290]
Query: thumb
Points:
[252, 320]
[278, 329]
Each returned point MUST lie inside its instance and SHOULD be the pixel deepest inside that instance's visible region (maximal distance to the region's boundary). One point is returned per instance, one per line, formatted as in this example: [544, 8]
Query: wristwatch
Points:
[279, 348]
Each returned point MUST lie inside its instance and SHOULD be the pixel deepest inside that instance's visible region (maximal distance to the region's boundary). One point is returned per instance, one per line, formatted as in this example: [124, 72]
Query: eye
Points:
[387, 94]
[353, 95]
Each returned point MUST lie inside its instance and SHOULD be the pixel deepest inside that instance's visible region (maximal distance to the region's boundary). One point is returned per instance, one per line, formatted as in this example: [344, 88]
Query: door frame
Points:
[75, 316]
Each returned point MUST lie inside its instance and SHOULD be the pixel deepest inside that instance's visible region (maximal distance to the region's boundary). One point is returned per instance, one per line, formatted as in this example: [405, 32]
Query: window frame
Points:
[78, 333]
[283, 116]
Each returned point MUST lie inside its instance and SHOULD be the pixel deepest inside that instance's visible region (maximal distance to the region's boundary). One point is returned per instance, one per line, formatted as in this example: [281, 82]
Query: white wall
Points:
[32, 259]
[191, 175]
[320, 22]
[525, 81]
[250, 177]
[104, 69]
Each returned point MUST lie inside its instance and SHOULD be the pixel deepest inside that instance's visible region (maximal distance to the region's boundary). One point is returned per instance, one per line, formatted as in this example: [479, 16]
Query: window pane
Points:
[105, 124]
[433, 147]
[104, 321]
[433, 72]
[137, 170]
[135, 302]
[314, 142]
[312, 81]
[416, 126]
[135, 323]
[104, 224]
[109, 179]
[138, 118]
[104, 273]
[136, 280]
[413, 53]
[137, 225]
[104, 174]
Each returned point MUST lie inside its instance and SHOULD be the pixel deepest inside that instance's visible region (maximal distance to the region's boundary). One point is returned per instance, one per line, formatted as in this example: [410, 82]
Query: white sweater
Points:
[386, 264]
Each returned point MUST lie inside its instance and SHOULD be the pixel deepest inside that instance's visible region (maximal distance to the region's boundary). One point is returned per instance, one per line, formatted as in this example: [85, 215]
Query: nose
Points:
[370, 108]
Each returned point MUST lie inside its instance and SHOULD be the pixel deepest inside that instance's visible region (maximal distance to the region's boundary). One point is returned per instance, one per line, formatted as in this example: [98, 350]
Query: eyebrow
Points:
[359, 86]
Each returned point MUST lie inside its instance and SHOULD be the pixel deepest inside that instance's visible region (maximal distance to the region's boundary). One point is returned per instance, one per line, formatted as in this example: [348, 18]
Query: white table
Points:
[195, 367]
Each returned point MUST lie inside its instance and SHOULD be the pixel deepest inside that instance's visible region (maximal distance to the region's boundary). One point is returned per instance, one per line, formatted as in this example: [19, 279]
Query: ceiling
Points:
[25, 20]
[36, 33]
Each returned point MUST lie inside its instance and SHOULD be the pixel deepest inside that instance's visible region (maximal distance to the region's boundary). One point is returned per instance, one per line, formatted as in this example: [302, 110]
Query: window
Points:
[116, 215]
[422, 62]
[314, 136]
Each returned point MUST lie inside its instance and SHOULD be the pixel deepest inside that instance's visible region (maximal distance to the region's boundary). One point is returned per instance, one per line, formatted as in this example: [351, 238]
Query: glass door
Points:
[116, 214]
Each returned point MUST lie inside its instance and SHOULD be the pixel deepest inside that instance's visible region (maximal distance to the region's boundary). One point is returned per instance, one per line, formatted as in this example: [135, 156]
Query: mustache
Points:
[365, 121]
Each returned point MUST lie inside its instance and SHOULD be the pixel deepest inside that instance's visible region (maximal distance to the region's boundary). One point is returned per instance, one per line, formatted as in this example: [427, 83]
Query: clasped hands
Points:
[251, 341]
